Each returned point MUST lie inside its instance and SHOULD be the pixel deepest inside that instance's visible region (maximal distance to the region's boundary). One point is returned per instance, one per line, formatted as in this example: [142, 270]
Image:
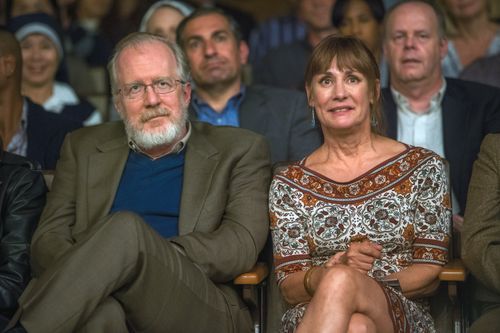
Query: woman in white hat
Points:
[163, 17]
[42, 51]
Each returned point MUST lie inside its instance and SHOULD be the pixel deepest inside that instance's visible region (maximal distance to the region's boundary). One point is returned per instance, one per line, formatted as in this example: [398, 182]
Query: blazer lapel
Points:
[104, 171]
[454, 109]
[390, 113]
[201, 161]
[252, 111]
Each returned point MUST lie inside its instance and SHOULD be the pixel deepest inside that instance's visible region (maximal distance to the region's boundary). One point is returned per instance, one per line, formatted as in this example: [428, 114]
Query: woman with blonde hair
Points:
[472, 34]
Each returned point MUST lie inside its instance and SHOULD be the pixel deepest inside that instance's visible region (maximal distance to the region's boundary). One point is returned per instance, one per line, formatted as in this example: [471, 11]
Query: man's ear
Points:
[117, 102]
[244, 51]
[186, 93]
[443, 47]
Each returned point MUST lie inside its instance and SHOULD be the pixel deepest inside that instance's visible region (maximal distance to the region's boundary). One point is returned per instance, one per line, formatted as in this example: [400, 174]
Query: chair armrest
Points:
[454, 270]
[255, 276]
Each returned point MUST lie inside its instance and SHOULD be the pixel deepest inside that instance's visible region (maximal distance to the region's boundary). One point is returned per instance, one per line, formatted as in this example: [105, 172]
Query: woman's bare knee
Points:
[340, 280]
[360, 323]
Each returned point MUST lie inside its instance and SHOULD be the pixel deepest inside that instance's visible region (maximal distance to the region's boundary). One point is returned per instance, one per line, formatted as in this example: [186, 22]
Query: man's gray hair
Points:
[136, 40]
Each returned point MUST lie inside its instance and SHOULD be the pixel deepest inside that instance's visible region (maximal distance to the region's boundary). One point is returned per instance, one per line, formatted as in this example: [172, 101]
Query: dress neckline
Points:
[383, 163]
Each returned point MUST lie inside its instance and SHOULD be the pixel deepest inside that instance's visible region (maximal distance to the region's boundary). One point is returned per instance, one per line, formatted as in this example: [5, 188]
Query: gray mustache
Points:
[150, 114]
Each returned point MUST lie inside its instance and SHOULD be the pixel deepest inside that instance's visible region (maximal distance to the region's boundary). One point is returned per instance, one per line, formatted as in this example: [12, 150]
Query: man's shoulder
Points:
[227, 134]
[17, 168]
[227, 142]
[289, 50]
[471, 90]
[9, 159]
[273, 93]
[105, 131]
[491, 141]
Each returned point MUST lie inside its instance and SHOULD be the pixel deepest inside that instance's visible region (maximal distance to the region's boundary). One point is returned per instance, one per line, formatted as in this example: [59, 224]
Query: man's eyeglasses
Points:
[161, 86]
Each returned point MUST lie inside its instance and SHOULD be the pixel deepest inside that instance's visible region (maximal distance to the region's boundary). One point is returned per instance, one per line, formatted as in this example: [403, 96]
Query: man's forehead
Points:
[146, 48]
[151, 54]
[413, 16]
[206, 24]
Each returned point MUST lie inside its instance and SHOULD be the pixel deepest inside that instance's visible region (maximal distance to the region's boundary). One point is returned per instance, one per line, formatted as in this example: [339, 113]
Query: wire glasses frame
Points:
[160, 86]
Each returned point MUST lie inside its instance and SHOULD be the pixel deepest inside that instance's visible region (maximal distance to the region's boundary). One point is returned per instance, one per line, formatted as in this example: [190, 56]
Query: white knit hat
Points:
[43, 29]
[183, 8]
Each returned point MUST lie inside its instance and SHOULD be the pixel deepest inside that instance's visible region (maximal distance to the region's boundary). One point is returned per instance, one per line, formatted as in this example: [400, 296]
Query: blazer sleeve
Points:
[233, 247]
[53, 237]
[23, 204]
[481, 231]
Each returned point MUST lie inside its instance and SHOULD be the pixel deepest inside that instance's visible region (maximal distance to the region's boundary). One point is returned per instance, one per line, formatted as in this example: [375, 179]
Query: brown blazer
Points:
[223, 221]
[481, 231]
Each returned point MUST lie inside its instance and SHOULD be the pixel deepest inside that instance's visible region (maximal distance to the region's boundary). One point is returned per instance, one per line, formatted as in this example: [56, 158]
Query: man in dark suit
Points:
[422, 107]
[149, 220]
[216, 53]
[27, 129]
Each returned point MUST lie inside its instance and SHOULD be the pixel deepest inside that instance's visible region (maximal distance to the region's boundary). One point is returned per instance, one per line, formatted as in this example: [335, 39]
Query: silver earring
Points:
[313, 117]
[374, 121]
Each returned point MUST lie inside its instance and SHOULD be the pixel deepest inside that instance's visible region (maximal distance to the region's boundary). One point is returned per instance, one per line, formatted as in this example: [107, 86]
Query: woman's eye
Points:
[352, 79]
[325, 81]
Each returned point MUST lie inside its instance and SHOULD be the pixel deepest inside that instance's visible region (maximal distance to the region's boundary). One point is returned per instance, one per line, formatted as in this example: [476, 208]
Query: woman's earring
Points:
[313, 117]
[374, 121]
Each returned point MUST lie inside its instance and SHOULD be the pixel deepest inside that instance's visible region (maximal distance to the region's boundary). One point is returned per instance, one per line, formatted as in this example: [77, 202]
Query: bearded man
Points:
[149, 219]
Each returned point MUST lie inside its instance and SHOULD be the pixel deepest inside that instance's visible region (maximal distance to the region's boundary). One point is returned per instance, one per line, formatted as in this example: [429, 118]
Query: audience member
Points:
[42, 51]
[26, 128]
[481, 235]
[363, 19]
[215, 52]
[86, 40]
[422, 108]
[472, 35]
[15, 8]
[22, 198]
[64, 8]
[484, 70]
[360, 226]
[114, 246]
[163, 17]
[246, 22]
[389, 3]
[123, 18]
[285, 66]
[276, 31]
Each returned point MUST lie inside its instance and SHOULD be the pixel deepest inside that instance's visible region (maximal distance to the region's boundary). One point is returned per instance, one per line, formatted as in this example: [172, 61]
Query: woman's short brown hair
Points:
[350, 53]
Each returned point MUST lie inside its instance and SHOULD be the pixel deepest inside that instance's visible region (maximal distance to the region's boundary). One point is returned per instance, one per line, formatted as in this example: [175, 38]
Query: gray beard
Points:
[166, 135]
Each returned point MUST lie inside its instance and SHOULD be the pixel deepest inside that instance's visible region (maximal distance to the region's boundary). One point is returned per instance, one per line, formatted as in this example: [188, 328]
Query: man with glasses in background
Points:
[150, 219]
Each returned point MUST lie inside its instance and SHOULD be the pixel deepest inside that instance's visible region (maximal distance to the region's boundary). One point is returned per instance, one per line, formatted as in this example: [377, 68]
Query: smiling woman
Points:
[351, 243]
[42, 51]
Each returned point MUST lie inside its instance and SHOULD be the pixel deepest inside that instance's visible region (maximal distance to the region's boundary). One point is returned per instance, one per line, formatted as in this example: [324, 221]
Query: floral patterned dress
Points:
[402, 204]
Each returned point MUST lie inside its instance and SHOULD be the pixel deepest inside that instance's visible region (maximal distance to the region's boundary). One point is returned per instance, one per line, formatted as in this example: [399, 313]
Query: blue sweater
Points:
[152, 189]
